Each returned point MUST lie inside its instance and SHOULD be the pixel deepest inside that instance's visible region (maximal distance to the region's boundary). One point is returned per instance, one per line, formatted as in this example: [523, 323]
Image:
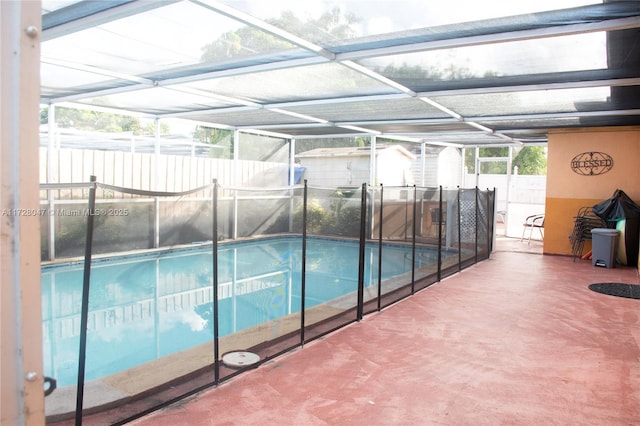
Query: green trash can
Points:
[603, 242]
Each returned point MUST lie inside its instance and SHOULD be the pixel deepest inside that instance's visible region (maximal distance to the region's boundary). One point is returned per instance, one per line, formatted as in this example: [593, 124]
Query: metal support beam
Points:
[155, 184]
[497, 37]
[88, 14]
[264, 26]
[51, 178]
[236, 182]
[373, 172]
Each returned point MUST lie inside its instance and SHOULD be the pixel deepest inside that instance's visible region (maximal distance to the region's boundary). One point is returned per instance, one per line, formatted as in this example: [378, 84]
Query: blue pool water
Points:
[145, 307]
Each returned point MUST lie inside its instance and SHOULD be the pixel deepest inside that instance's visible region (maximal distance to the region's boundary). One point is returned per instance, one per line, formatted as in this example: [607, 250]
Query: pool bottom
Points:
[175, 376]
[167, 375]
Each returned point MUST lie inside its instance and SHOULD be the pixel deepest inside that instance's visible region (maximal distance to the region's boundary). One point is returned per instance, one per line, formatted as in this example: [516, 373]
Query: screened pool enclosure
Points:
[167, 284]
[257, 85]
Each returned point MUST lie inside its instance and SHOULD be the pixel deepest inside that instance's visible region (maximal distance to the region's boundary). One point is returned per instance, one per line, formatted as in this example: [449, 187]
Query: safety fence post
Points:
[84, 309]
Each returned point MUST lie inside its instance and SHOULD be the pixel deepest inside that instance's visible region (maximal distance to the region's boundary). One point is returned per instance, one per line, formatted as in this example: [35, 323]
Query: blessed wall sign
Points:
[591, 163]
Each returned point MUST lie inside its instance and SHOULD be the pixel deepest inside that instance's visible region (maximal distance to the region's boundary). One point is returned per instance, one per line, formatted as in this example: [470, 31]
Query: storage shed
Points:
[439, 165]
[351, 166]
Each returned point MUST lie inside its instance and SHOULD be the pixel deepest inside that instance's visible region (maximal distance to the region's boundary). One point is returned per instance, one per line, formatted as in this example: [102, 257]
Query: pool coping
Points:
[136, 383]
[76, 260]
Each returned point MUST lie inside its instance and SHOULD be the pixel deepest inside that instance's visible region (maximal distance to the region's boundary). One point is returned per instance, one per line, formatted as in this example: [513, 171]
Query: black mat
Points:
[630, 291]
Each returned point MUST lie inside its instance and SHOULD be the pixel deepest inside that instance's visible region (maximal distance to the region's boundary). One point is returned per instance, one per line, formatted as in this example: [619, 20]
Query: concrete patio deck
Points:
[518, 339]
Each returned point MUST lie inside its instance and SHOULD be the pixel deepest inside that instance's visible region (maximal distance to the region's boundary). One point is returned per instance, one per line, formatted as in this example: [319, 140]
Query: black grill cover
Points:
[622, 208]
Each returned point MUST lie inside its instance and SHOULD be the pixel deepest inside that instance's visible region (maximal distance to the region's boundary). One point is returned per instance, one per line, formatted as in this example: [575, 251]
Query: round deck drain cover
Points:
[240, 359]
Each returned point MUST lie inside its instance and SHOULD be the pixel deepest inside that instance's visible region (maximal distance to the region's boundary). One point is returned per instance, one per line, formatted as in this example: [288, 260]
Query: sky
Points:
[174, 35]
[379, 16]
[384, 16]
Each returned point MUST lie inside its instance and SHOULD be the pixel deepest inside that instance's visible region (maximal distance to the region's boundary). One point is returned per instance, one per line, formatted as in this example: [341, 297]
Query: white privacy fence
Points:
[64, 191]
[168, 173]
[518, 196]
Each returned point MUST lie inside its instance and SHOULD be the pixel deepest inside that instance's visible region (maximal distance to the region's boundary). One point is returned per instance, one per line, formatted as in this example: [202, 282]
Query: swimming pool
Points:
[148, 306]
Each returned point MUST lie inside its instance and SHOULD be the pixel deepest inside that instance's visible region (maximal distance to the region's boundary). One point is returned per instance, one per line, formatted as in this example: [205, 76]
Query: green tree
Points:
[211, 135]
[531, 160]
[96, 121]
[150, 129]
[304, 145]
[222, 138]
[497, 167]
[330, 26]
[419, 72]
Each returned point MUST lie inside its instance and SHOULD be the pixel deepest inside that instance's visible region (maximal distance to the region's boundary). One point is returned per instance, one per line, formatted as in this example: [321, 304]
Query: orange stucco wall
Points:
[567, 190]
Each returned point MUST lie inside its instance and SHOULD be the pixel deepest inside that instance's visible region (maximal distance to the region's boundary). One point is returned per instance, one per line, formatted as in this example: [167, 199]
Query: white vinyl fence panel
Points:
[519, 197]
[170, 173]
